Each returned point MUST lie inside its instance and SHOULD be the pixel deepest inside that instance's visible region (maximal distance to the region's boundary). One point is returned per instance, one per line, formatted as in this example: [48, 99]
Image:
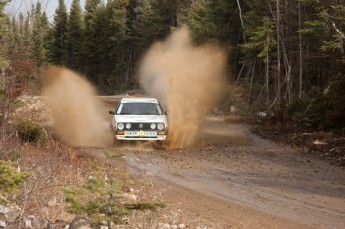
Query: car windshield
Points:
[139, 109]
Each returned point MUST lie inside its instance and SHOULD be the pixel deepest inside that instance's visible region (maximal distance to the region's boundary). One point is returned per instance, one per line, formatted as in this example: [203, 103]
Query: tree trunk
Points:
[278, 53]
[267, 73]
[241, 18]
[251, 83]
[300, 51]
[287, 68]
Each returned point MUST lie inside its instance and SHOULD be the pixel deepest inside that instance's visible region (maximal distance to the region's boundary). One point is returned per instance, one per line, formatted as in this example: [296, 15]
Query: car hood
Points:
[141, 118]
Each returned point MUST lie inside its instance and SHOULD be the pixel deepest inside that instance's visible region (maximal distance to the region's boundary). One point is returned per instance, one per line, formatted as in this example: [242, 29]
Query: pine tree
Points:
[323, 36]
[101, 37]
[144, 28]
[116, 30]
[131, 36]
[260, 44]
[3, 18]
[47, 35]
[40, 29]
[163, 17]
[334, 16]
[58, 50]
[75, 36]
[209, 20]
[3, 30]
[91, 39]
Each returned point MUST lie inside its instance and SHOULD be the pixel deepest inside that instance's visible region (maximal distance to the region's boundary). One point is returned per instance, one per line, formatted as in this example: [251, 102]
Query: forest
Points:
[286, 58]
[269, 154]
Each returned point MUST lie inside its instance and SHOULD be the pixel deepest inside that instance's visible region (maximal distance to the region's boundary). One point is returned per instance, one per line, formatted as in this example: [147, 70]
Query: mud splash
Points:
[187, 79]
[75, 111]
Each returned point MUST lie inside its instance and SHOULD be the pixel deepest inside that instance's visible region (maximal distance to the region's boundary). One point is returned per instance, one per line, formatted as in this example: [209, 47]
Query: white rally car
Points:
[139, 119]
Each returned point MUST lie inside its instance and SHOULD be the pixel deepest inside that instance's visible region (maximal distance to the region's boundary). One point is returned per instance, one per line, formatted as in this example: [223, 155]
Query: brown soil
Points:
[233, 178]
[326, 145]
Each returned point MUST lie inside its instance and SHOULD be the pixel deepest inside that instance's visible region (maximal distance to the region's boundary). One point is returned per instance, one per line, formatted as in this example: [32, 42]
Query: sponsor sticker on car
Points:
[141, 133]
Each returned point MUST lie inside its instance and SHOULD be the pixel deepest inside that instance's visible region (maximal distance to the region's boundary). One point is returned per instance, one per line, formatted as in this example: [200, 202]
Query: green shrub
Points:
[320, 112]
[327, 108]
[336, 96]
[297, 108]
[31, 132]
[100, 200]
[10, 178]
[319, 109]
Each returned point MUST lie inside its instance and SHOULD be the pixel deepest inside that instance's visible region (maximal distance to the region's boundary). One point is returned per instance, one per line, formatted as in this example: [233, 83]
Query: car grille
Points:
[140, 126]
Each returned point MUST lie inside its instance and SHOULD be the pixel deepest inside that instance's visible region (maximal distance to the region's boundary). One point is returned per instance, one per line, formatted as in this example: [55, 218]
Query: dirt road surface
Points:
[233, 178]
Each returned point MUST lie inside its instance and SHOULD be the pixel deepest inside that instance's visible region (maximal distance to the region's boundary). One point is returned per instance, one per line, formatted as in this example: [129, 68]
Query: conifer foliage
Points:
[58, 49]
[279, 50]
[75, 34]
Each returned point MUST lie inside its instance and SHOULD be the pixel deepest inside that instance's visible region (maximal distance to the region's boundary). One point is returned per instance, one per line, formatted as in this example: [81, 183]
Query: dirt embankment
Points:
[326, 145]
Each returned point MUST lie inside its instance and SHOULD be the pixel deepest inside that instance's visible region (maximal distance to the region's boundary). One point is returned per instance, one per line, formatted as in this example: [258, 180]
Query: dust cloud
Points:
[187, 79]
[73, 103]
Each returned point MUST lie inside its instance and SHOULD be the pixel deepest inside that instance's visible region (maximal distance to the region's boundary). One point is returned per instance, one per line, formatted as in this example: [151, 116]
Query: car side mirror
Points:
[112, 112]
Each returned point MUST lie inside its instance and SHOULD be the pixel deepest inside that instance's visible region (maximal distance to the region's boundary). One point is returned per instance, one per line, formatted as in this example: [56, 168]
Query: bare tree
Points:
[278, 52]
[300, 51]
[241, 19]
[267, 72]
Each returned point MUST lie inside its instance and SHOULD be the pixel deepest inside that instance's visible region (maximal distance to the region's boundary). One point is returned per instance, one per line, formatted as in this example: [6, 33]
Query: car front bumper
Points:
[141, 135]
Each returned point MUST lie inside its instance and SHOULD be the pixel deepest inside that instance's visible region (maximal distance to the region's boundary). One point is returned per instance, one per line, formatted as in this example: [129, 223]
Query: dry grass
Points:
[52, 168]
[58, 165]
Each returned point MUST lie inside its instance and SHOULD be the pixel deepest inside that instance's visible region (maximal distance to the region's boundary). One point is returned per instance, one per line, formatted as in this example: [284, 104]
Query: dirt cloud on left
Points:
[72, 100]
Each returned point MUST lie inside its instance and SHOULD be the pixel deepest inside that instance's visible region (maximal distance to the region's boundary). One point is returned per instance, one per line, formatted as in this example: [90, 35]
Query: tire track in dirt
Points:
[254, 173]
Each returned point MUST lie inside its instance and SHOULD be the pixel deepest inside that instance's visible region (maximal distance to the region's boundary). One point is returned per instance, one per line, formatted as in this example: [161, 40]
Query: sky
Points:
[24, 6]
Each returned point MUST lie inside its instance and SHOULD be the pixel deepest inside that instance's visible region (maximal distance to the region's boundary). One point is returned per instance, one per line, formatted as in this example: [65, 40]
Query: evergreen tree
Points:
[217, 22]
[58, 50]
[40, 29]
[323, 35]
[116, 31]
[163, 17]
[3, 18]
[47, 35]
[131, 37]
[144, 28]
[213, 21]
[260, 44]
[3, 30]
[91, 39]
[101, 38]
[75, 36]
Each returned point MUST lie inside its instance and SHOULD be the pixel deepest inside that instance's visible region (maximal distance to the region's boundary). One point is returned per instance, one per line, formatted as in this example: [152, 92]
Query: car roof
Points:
[139, 100]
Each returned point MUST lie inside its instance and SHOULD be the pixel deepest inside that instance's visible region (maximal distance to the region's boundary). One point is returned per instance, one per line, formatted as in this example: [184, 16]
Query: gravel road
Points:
[232, 178]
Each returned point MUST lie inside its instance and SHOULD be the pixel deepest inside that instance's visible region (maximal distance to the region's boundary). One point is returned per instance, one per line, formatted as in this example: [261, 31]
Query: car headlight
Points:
[153, 126]
[128, 126]
[120, 126]
[160, 126]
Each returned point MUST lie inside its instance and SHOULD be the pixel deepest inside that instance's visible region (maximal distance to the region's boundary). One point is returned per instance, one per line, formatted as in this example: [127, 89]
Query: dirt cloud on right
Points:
[187, 79]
